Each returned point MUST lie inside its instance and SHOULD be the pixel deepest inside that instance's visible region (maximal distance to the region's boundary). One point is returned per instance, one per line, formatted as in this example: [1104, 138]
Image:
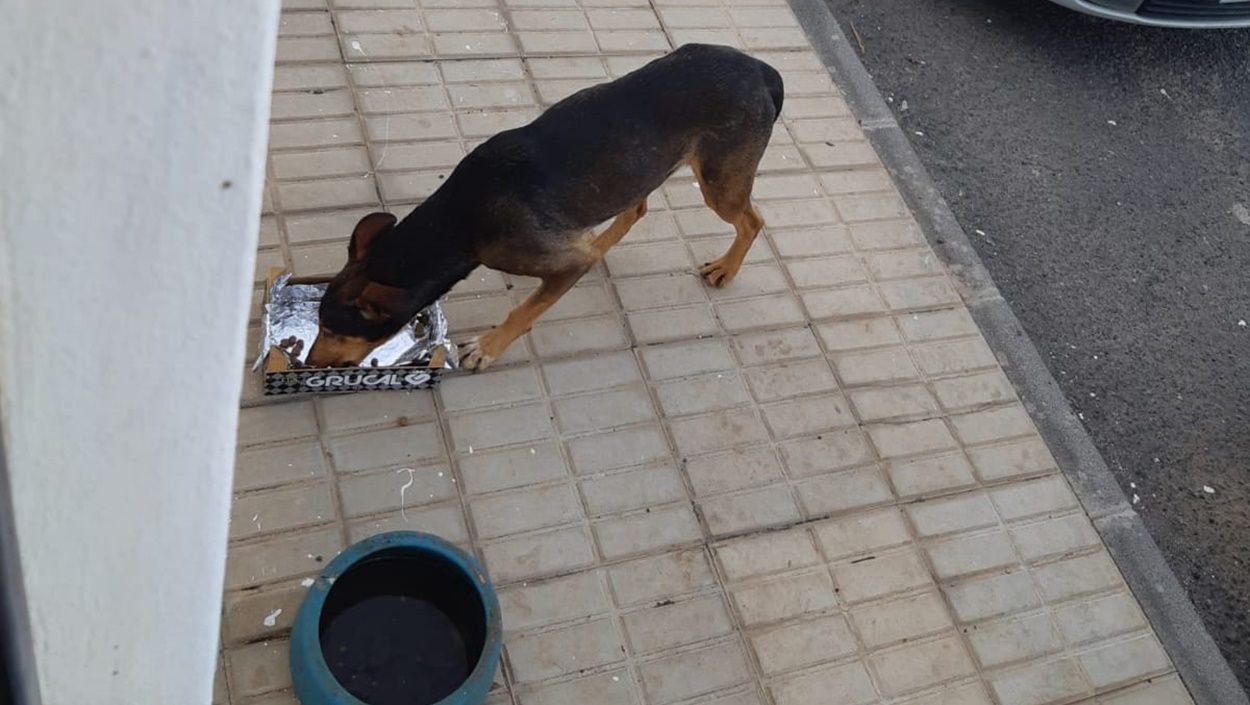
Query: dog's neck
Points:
[426, 252]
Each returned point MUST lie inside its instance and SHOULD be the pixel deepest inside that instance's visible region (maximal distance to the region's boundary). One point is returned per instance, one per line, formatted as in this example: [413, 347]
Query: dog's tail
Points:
[776, 88]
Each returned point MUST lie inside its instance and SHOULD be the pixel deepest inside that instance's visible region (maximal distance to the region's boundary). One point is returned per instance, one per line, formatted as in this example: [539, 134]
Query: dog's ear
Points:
[366, 230]
[379, 302]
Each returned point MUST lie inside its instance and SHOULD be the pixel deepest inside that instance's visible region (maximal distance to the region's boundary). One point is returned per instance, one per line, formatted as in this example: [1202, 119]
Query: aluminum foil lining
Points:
[290, 324]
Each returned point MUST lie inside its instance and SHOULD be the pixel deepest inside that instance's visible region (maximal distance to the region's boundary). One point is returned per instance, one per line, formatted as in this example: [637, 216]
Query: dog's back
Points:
[597, 152]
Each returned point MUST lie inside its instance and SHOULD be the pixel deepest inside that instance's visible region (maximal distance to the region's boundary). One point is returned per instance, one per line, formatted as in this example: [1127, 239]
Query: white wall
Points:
[125, 272]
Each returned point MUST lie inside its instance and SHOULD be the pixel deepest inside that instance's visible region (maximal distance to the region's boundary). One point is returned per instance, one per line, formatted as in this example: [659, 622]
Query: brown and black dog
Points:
[526, 200]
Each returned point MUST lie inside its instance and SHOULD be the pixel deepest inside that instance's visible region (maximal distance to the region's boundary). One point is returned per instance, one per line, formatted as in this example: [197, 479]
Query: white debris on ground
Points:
[272, 618]
[1242, 213]
[403, 511]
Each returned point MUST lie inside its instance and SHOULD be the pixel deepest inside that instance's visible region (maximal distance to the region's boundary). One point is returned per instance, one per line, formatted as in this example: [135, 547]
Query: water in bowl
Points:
[402, 630]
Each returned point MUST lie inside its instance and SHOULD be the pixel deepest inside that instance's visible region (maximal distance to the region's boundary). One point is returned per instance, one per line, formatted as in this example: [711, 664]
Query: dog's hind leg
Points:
[480, 352]
[726, 175]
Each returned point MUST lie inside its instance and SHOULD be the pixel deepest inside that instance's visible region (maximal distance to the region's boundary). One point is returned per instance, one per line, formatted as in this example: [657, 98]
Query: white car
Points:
[1168, 13]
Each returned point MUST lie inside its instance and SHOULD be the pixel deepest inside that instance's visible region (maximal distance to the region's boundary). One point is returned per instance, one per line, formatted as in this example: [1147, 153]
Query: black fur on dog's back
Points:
[521, 194]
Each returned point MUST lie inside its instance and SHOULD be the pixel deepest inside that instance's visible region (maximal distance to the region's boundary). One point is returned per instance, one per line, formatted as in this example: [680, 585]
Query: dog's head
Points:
[358, 314]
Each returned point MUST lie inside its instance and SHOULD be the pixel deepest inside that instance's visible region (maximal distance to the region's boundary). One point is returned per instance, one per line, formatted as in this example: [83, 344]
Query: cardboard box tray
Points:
[283, 379]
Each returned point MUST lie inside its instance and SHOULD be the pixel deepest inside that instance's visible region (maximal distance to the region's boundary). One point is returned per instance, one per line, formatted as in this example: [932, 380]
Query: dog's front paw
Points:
[475, 355]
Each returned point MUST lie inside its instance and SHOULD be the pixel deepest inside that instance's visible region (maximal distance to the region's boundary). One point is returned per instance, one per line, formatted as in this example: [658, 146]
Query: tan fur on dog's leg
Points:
[726, 180]
[479, 353]
[721, 271]
[619, 227]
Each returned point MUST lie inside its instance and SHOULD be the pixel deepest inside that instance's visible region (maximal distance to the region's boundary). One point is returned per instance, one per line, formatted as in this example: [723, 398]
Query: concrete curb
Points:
[1198, 660]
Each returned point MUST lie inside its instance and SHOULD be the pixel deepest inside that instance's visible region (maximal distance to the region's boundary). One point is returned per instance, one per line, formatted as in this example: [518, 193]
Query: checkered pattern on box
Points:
[339, 381]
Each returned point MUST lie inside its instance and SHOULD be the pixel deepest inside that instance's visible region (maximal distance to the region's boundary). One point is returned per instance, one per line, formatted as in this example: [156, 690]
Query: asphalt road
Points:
[1103, 173]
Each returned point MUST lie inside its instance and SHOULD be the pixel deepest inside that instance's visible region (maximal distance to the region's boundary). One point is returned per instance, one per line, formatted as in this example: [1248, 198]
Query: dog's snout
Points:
[330, 350]
[317, 356]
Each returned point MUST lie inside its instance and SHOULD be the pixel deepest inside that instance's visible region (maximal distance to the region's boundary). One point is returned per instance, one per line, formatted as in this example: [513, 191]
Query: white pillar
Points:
[132, 152]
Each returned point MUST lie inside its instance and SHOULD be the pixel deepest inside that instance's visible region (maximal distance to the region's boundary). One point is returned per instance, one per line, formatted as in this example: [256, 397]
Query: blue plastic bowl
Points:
[315, 684]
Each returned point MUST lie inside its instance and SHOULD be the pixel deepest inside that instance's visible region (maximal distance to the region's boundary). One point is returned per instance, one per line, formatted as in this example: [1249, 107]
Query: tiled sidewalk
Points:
[814, 487]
